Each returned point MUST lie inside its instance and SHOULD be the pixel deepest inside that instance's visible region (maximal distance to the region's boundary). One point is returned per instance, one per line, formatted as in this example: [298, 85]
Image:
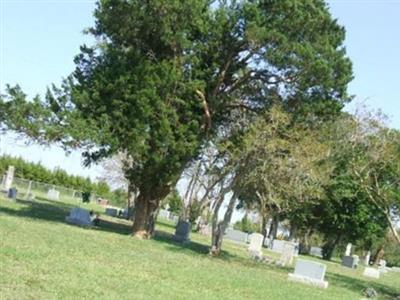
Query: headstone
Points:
[309, 272]
[371, 272]
[12, 193]
[350, 261]
[53, 194]
[382, 266]
[112, 212]
[348, 250]
[128, 213]
[287, 254]
[316, 251]
[182, 232]
[163, 214]
[79, 216]
[278, 246]
[9, 178]
[267, 243]
[367, 257]
[256, 241]
[236, 235]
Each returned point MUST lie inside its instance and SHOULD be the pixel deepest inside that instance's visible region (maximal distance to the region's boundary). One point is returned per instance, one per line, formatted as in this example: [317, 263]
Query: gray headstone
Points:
[256, 241]
[371, 272]
[350, 261]
[12, 193]
[182, 232]
[309, 272]
[316, 251]
[79, 216]
[236, 235]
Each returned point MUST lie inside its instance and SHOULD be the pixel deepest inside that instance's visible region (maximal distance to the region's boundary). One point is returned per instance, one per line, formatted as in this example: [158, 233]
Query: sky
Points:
[38, 40]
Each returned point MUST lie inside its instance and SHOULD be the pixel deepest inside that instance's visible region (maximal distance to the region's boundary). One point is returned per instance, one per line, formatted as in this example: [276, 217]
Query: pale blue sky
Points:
[38, 40]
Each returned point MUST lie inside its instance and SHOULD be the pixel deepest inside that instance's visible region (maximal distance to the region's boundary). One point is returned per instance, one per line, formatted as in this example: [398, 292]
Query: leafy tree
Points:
[166, 76]
[174, 202]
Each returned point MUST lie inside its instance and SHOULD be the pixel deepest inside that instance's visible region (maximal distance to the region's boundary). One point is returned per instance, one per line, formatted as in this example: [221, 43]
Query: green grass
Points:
[42, 257]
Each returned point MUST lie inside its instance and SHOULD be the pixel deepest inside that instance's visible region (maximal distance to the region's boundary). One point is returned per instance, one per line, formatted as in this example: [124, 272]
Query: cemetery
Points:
[200, 150]
[193, 273]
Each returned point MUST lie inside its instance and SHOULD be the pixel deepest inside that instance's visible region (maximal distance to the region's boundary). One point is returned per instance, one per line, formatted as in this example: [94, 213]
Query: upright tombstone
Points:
[12, 193]
[367, 257]
[316, 251]
[309, 272]
[8, 180]
[256, 241]
[182, 232]
[111, 211]
[53, 194]
[287, 254]
[348, 250]
[79, 216]
[382, 266]
[350, 261]
[236, 235]
[371, 272]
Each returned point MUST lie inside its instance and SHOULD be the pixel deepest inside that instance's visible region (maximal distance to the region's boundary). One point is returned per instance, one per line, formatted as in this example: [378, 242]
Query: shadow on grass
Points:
[356, 284]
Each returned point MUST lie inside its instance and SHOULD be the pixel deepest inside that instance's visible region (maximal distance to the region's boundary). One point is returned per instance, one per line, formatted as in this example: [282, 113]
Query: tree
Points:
[166, 76]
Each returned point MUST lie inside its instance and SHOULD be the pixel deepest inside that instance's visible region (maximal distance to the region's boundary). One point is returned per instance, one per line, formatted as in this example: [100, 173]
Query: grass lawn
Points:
[42, 257]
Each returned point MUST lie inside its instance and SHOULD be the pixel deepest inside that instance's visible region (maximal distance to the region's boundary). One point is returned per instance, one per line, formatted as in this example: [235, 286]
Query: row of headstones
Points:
[308, 272]
[273, 245]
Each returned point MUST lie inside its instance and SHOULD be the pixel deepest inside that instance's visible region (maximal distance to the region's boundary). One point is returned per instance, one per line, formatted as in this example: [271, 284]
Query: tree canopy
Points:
[164, 77]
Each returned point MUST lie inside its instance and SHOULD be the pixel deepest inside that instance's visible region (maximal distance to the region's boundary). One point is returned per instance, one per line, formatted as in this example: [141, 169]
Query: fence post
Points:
[28, 192]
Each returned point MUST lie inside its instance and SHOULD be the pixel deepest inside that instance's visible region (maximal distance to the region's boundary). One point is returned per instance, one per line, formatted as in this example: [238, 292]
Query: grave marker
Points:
[8, 180]
[371, 272]
[79, 216]
[309, 272]
[256, 241]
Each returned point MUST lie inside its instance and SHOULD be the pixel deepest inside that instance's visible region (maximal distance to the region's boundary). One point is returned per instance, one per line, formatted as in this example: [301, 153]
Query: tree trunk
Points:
[273, 231]
[293, 232]
[329, 247]
[392, 228]
[379, 255]
[304, 245]
[264, 220]
[218, 228]
[146, 209]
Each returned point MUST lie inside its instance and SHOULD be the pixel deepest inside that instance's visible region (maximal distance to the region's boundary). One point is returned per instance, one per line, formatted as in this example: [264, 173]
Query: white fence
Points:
[29, 189]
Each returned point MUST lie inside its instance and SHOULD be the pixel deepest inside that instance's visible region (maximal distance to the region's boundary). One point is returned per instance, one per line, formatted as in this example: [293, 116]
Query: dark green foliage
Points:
[166, 76]
[86, 197]
[174, 202]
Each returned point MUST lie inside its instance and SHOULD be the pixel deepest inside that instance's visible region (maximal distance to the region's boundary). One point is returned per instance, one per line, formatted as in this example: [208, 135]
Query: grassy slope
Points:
[42, 257]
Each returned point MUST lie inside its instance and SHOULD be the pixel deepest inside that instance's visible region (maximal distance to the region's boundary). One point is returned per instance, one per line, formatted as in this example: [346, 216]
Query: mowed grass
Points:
[42, 257]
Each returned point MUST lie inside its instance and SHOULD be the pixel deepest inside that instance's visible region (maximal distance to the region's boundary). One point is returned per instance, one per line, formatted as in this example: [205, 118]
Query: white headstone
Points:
[348, 250]
[367, 257]
[309, 272]
[9, 178]
[79, 216]
[371, 272]
[256, 241]
[53, 194]
[316, 251]
[287, 254]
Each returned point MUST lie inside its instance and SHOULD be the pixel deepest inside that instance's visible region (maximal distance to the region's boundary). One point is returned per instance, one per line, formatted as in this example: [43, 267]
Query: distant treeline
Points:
[37, 172]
